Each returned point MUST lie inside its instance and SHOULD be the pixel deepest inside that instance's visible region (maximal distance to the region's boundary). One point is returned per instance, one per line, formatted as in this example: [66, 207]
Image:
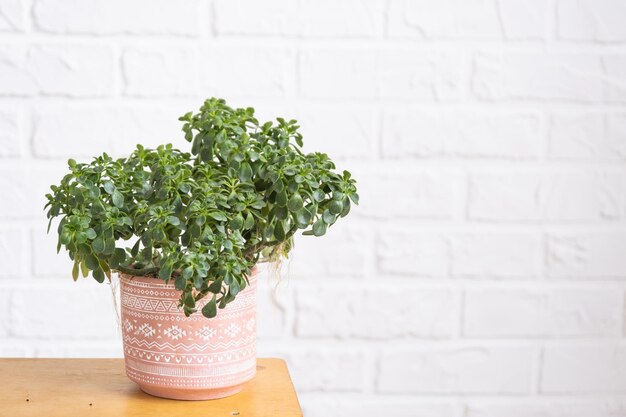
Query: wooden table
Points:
[99, 387]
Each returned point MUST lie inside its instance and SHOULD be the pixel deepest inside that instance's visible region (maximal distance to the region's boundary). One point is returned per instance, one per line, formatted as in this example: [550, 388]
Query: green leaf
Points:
[188, 272]
[98, 275]
[355, 198]
[90, 233]
[195, 146]
[92, 262]
[215, 286]
[281, 198]
[109, 187]
[65, 237]
[197, 282]
[75, 270]
[292, 187]
[319, 227]
[281, 212]
[319, 195]
[346, 207]
[245, 172]
[237, 222]
[303, 218]
[234, 288]
[98, 245]
[328, 217]
[166, 272]
[295, 203]
[249, 223]
[135, 249]
[206, 153]
[118, 257]
[109, 246]
[118, 199]
[189, 300]
[158, 234]
[335, 206]
[180, 283]
[84, 270]
[210, 308]
[279, 231]
[219, 216]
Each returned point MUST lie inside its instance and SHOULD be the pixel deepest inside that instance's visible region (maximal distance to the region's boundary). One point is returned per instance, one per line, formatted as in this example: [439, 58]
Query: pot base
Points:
[191, 394]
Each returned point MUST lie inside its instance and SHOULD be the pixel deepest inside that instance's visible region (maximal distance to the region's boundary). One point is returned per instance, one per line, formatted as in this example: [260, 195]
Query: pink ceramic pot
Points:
[186, 358]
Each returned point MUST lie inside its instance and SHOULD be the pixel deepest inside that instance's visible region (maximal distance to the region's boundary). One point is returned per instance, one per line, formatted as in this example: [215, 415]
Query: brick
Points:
[594, 136]
[341, 133]
[591, 20]
[15, 76]
[414, 253]
[375, 313]
[79, 349]
[69, 70]
[342, 18]
[80, 71]
[570, 407]
[367, 406]
[46, 261]
[525, 76]
[273, 300]
[327, 18]
[322, 369]
[86, 131]
[559, 312]
[394, 73]
[415, 193]
[524, 20]
[12, 14]
[615, 146]
[342, 252]
[241, 17]
[104, 17]
[615, 67]
[541, 195]
[418, 133]
[450, 19]
[15, 349]
[468, 370]
[14, 183]
[5, 304]
[10, 132]
[13, 253]
[586, 255]
[69, 303]
[168, 71]
[580, 136]
[496, 254]
[584, 369]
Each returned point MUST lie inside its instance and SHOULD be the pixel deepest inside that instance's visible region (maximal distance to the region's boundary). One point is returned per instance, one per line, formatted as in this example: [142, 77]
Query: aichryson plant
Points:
[203, 219]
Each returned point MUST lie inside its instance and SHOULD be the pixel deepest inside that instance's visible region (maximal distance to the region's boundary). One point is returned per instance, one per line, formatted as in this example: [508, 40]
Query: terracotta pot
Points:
[186, 358]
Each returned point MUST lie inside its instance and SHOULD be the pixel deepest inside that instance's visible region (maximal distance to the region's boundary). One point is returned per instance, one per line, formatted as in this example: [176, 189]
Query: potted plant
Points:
[185, 231]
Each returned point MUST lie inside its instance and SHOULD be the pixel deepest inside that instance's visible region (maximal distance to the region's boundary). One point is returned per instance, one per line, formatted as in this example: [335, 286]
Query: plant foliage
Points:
[202, 219]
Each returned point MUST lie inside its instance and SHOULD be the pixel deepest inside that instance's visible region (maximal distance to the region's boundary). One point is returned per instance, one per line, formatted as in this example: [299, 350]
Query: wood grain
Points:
[99, 387]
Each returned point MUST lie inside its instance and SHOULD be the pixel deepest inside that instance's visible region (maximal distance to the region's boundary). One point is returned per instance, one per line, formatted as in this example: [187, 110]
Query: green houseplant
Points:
[201, 219]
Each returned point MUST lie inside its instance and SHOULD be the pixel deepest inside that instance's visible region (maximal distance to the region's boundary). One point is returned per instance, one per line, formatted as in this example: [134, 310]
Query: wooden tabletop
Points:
[99, 387]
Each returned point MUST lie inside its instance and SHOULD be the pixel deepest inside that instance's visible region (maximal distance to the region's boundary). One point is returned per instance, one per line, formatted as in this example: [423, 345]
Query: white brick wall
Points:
[483, 275]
